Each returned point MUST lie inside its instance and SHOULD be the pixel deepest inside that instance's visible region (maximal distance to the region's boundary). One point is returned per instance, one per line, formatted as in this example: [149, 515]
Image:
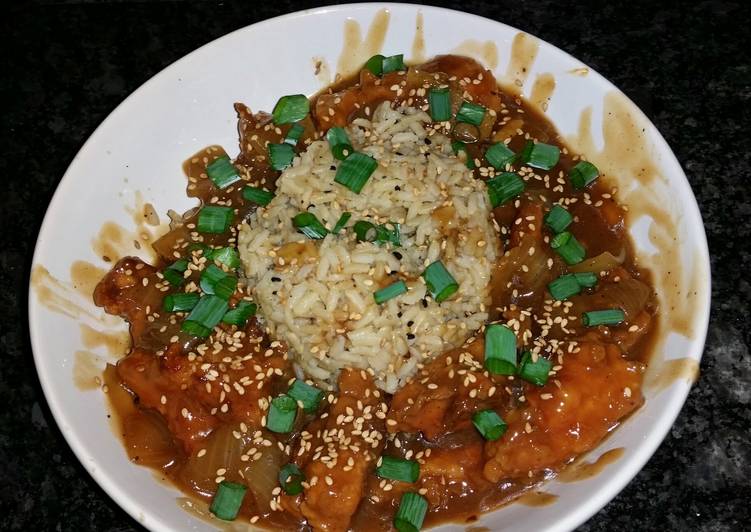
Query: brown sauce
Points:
[462, 475]
[582, 470]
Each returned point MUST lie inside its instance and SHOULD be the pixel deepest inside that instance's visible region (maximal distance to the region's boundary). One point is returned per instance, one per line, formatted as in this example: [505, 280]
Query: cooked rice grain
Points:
[317, 296]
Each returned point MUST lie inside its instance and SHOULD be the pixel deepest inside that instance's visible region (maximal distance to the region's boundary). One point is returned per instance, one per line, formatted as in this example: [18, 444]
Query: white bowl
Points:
[135, 156]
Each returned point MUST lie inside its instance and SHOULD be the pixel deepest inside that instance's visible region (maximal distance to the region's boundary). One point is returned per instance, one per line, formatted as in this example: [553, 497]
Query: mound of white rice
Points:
[317, 295]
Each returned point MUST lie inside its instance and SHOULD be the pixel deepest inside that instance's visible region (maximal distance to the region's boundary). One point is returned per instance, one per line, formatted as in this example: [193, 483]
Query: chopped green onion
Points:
[193, 328]
[394, 468]
[291, 478]
[339, 143]
[558, 219]
[613, 316]
[226, 255]
[441, 284]
[216, 281]
[459, 146]
[586, 279]
[293, 135]
[390, 292]
[499, 156]
[471, 113]
[504, 187]
[341, 222]
[227, 500]
[304, 393]
[290, 109]
[207, 313]
[500, 350]
[215, 219]
[564, 287]
[539, 155]
[439, 101]
[393, 63]
[282, 414]
[365, 231]
[568, 247]
[310, 226]
[180, 302]
[257, 195]
[240, 314]
[375, 65]
[534, 372]
[355, 170]
[281, 156]
[583, 174]
[489, 424]
[369, 232]
[222, 172]
[411, 513]
[174, 272]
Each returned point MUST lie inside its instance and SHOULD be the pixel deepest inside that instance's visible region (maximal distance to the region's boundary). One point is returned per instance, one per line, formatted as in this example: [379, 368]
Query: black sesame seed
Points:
[397, 255]
[397, 188]
[410, 323]
[276, 280]
[410, 336]
[424, 303]
[427, 141]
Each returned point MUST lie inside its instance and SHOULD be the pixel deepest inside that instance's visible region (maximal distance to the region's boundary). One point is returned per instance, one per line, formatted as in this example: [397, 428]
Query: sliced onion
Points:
[147, 439]
[629, 295]
[223, 451]
[262, 475]
[601, 263]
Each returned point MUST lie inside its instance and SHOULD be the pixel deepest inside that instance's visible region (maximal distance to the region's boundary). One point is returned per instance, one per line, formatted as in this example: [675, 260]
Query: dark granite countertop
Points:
[66, 65]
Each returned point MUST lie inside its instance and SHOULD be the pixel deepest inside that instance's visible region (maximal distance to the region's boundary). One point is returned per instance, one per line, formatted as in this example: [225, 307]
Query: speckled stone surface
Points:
[66, 65]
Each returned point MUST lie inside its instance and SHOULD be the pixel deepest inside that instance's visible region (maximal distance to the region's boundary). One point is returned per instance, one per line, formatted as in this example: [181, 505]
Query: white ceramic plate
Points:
[139, 148]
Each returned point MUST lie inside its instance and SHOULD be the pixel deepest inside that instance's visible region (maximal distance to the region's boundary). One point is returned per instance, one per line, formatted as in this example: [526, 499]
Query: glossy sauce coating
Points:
[196, 411]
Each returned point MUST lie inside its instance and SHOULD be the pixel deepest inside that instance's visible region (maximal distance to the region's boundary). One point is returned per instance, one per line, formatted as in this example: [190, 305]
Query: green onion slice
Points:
[227, 500]
[310, 226]
[375, 65]
[215, 219]
[290, 109]
[293, 134]
[174, 272]
[222, 172]
[439, 102]
[583, 174]
[216, 281]
[558, 219]
[504, 187]
[539, 155]
[226, 255]
[180, 302]
[613, 316]
[355, 170]
[207, 314]
[489, 424]
[369, 232]
[471, 113]
[393, 63]
[500, 350]
[459, 146]
[291, 479]
[339, 143]
[535, 372]
[568, 247]
[257, 195]
[281, 156]
[586, 279]
[341, 222]
[389, 292]
[282, 414]
[239, 315]
[193, 328]
[308, 395]
[499, 156]
[564, 287]
[411, 513]
[441, 284]
[400, 469]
